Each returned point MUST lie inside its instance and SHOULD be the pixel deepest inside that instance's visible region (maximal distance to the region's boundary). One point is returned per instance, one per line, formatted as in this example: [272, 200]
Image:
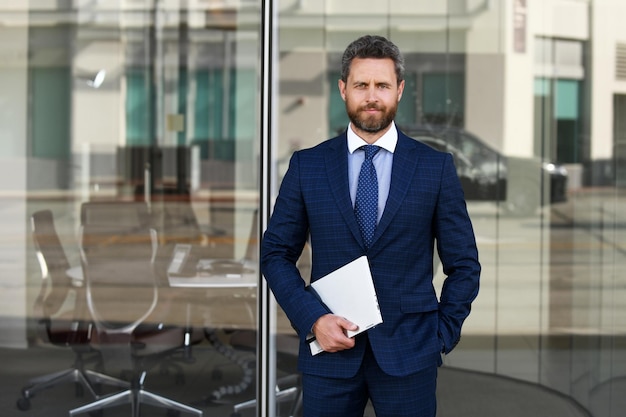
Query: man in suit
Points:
[419, 200]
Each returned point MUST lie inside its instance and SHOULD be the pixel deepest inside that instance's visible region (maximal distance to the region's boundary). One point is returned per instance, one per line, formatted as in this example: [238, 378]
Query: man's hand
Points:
[330, 333]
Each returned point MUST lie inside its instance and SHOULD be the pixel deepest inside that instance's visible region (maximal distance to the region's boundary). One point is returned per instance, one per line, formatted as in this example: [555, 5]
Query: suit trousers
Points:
[391, 396]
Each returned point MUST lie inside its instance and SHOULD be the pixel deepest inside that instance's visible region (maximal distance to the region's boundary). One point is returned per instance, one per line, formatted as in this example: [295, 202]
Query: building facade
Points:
[198, 104]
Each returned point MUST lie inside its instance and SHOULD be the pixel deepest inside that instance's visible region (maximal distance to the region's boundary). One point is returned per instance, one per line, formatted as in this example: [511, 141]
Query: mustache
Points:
[373, 106]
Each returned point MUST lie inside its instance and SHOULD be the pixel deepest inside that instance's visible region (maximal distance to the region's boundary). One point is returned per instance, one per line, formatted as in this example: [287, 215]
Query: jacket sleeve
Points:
[456, 245]
[281, 247]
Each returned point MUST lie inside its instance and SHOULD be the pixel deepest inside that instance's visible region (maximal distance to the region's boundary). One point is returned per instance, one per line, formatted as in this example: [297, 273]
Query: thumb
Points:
[347, 324]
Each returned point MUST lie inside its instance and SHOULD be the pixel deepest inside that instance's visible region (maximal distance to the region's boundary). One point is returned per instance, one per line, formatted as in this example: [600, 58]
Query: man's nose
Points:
[372, 94]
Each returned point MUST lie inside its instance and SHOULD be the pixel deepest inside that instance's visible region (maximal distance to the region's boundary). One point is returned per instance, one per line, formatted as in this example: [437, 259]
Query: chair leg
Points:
[282, 395]
[86, 378]
[119, 398]
[297, 405]
[146, 397]
[40, 383]
[46, 381]
[97, 377]
[135, 397]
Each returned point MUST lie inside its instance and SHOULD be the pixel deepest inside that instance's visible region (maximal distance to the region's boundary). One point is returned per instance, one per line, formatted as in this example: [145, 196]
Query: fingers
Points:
[330, 332]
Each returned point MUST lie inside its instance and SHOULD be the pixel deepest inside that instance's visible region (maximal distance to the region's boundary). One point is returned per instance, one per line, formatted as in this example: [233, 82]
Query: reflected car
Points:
[521, 184]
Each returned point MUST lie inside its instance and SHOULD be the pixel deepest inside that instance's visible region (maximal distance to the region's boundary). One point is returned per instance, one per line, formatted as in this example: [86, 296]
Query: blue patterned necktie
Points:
[366, 202]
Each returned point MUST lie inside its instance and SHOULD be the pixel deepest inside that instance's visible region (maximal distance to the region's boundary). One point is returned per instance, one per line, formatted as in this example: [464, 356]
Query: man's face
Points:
[371, 93]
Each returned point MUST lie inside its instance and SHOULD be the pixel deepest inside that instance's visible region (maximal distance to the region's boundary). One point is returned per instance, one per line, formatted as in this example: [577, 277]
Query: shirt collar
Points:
[387, 141]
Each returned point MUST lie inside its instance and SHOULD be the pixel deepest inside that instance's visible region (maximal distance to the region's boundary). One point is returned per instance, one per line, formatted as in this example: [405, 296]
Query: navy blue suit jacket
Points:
[425, 204]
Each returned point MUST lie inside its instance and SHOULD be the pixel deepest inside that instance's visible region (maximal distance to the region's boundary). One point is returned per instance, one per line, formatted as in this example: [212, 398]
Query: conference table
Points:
[218, 273]
[229, 274]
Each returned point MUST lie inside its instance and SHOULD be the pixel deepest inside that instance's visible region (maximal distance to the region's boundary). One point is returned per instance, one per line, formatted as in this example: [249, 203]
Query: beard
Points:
[371, 123]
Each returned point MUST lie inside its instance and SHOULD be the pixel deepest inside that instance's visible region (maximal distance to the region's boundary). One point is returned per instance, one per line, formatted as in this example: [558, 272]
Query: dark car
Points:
[522, 184]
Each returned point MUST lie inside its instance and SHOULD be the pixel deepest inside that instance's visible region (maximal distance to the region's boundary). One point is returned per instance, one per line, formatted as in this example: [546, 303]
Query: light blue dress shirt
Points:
[383, 162]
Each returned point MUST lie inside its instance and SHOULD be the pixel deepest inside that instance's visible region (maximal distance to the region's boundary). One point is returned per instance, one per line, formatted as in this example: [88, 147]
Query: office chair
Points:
[60, 306]
[118, 247]
[176, 219]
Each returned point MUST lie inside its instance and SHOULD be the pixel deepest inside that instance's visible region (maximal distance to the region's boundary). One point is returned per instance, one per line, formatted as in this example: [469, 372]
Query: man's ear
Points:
[400, 90]
[342, 89]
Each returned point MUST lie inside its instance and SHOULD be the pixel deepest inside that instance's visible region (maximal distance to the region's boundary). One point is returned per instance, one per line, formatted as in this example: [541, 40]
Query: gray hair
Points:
[372, 46]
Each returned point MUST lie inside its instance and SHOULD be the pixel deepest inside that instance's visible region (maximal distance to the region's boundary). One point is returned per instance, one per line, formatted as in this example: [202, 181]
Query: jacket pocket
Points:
[418, 303]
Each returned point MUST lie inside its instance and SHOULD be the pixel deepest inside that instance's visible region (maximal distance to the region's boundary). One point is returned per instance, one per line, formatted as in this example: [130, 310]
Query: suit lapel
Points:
[405, 159]
[337, 169]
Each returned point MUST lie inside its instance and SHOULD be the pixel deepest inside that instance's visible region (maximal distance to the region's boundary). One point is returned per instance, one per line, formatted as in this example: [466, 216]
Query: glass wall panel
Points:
[131, 148]
[130, 200]
[523, 99]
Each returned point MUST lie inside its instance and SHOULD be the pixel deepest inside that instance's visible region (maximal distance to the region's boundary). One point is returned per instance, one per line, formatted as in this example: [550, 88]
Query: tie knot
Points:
[370, 151]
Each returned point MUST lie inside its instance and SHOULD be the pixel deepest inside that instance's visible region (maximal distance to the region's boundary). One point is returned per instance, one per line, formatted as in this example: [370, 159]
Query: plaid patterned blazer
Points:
[425, 205]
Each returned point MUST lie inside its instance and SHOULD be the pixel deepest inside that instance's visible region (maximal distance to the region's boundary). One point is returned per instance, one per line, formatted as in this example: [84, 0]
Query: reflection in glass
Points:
[175, 125]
